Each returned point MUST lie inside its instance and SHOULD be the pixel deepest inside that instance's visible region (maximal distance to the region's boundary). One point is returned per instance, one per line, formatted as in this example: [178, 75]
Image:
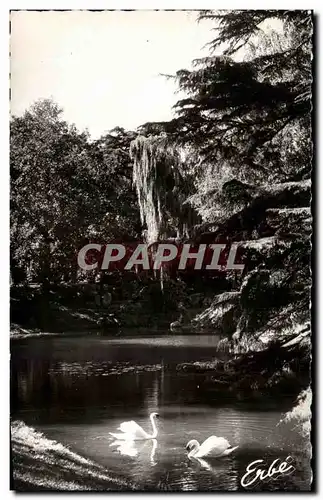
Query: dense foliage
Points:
[234, 164]
[246, 119]
[65, 192]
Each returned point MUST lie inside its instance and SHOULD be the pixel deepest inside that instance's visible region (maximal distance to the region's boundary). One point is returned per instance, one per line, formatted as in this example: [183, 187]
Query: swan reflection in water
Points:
[214, 466]
[136, 448]
[223, 470]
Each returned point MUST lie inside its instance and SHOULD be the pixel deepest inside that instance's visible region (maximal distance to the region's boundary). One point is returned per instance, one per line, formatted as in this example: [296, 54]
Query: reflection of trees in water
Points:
[72, 372]
[33, 381]
[152, 395]
[57, 386]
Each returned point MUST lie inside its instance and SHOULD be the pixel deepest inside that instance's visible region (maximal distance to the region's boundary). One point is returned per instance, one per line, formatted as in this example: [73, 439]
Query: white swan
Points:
[131, 431]
[212, 447]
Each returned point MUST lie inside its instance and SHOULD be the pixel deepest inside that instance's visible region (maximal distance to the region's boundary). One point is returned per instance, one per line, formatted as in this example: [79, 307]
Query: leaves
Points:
[238, 109]
[65, 190]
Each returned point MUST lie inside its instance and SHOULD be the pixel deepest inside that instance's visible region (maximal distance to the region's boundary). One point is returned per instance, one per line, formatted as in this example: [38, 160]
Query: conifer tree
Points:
[242, 105]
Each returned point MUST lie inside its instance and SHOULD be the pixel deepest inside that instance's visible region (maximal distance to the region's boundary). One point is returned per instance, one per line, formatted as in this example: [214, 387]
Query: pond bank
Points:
[41, 464]
[280, 368]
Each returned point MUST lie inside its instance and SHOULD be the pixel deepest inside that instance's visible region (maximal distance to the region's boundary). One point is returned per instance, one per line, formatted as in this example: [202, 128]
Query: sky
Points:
[103, 68]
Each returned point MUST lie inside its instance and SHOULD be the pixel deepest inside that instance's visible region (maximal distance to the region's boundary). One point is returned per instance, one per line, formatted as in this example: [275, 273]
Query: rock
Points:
[177, 325]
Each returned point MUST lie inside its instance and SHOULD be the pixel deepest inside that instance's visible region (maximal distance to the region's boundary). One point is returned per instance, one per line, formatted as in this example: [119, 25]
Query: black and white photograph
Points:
[161, 220]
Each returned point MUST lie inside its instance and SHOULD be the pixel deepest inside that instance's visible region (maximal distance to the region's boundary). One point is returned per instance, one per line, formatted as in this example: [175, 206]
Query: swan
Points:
[131, 431]
[212, 447]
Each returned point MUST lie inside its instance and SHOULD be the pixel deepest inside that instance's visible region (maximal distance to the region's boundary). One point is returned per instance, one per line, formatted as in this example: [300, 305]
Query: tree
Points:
[162, 176]
[65, 192]
[247, 120]
[248, 114]
[240, 106]
[121, 219]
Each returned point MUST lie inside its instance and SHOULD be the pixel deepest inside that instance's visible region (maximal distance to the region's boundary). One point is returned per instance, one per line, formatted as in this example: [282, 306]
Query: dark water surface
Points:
[77, 390]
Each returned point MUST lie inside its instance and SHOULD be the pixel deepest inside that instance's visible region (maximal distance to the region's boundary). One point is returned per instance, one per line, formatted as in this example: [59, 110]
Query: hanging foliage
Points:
[163, 183]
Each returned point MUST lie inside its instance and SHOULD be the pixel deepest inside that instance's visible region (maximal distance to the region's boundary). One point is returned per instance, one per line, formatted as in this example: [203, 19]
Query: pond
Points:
[77, 390]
